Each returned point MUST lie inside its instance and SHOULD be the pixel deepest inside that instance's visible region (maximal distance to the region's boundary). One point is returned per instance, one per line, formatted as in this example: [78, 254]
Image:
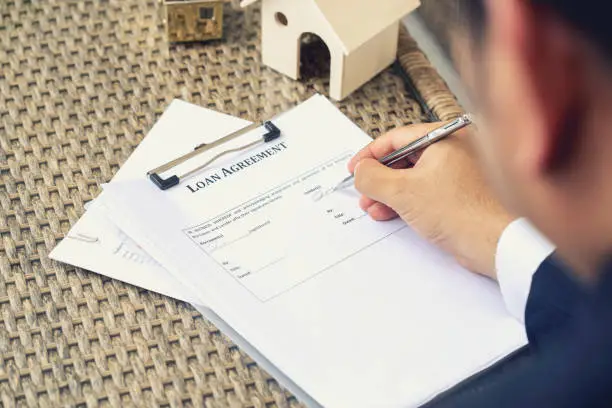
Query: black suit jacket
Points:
[569, 327]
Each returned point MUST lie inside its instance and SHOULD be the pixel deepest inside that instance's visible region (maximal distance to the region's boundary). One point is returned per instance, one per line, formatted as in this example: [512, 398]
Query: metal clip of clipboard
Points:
[165, 183]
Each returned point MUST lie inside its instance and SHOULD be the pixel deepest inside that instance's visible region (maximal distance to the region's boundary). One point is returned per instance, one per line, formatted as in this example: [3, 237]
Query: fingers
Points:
[366, 202]
[390, 142]
[378, 211]
[380, 184]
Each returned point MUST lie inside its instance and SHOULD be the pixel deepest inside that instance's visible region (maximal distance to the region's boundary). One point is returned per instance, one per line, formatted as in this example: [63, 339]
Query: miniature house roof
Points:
[367, 17]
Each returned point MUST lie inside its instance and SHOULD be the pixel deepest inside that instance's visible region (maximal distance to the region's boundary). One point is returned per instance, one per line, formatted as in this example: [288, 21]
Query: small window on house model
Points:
[207, 13]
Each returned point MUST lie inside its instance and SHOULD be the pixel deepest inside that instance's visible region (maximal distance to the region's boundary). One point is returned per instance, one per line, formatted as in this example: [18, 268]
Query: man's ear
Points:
[560, 60]
[553, 69]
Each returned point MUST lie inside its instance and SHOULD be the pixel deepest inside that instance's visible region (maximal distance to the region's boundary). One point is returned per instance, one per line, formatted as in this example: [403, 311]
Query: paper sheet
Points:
[365, 306]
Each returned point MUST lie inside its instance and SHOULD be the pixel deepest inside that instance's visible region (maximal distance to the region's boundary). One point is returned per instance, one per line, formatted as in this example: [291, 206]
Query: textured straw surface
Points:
[81, 82]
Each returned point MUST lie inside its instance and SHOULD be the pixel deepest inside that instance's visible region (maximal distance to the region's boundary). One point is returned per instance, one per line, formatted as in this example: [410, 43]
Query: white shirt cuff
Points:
[520, 251]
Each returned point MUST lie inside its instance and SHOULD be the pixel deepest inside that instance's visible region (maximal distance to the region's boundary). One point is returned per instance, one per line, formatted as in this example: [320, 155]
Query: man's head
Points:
[540, 74]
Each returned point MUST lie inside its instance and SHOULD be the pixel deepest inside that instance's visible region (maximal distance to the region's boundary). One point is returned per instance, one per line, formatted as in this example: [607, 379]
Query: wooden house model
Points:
[193, 20]
[361, 36]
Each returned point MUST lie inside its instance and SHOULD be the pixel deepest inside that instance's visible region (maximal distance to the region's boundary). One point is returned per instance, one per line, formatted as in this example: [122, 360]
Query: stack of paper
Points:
[343, 310]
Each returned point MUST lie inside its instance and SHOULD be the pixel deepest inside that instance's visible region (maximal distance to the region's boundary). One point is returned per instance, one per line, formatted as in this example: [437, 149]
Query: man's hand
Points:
[444, 197]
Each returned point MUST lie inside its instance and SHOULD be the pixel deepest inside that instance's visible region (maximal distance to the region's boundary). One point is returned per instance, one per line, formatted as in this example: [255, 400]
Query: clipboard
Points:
[272, 133]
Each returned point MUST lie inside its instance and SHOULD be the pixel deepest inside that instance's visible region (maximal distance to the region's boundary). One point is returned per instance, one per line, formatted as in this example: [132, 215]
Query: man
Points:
[540, 74]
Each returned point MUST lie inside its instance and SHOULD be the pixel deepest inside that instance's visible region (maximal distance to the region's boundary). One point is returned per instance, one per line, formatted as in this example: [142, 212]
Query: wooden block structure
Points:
[361, 36]
[193, 20]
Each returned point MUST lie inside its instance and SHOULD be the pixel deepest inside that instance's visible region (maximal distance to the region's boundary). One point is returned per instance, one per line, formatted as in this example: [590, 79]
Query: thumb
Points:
[381, 183]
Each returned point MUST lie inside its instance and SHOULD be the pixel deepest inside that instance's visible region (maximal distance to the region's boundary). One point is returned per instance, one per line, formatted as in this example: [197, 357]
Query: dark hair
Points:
[590, 17]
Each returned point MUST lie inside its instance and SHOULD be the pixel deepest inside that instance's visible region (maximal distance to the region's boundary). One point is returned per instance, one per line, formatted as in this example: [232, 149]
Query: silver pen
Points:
[414, 147]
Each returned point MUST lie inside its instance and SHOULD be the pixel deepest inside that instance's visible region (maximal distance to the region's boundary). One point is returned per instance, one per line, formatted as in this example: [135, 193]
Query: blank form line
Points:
[256, 229]
[269, 265]
[225, 244]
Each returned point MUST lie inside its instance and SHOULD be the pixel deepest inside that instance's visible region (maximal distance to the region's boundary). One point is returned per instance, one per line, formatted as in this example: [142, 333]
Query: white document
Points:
[96, 244]
[356, 313]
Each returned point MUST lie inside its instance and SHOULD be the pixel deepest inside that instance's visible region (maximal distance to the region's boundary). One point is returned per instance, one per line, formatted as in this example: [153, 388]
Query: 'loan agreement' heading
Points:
[225, 172]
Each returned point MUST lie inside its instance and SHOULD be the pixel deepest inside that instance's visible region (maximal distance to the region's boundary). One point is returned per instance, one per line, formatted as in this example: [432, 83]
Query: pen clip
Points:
[426, 140]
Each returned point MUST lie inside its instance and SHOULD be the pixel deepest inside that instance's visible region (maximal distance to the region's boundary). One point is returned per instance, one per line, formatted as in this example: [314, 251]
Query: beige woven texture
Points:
[81, 82]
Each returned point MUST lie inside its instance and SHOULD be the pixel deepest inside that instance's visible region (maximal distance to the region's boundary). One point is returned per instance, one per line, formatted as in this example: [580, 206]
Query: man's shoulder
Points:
[572, 364]
[583, 356]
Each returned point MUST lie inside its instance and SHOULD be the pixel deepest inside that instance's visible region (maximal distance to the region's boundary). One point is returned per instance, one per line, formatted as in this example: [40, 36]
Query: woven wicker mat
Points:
[81, 82]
